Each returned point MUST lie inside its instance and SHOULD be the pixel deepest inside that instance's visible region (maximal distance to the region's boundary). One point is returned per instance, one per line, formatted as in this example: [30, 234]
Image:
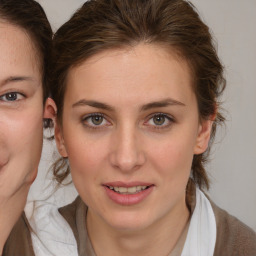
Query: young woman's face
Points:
[21, 113]
[130, 128]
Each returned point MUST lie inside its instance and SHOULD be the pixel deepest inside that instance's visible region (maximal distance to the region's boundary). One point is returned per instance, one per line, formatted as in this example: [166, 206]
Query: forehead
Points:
[144, 70]
[18, 51]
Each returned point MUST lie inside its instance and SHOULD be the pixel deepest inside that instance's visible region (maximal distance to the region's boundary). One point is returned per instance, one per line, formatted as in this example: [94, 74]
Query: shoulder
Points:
[19, 241]
[70, 210]
[233, 236]
[70, 213]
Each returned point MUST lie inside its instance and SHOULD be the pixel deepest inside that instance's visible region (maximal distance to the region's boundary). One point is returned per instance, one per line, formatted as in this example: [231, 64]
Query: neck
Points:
[10, 210]
[159, 238]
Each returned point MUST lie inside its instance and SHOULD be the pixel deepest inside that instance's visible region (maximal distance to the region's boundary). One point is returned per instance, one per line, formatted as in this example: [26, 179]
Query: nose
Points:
[127, 154]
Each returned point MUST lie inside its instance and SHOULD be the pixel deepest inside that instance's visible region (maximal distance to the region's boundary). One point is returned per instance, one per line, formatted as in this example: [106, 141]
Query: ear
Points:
[60, 143]
[203, 136]
[50, 111]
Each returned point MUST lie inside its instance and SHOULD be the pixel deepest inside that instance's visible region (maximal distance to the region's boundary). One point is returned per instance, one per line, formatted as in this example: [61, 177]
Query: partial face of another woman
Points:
[130, 128]
[21, 112]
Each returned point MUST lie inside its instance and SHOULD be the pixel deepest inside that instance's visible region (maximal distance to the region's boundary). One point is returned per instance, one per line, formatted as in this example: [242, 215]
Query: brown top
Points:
[19, 242]
[233, 237]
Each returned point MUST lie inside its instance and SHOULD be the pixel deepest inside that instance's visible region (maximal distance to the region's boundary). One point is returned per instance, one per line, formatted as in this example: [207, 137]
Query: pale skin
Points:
[131, 115]
[21, 123]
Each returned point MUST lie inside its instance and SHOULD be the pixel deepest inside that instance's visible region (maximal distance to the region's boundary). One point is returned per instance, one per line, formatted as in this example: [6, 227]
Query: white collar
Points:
[201, 237]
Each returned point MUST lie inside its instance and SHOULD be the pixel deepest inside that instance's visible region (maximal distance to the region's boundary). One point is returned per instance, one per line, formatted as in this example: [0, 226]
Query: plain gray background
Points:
[233, 166]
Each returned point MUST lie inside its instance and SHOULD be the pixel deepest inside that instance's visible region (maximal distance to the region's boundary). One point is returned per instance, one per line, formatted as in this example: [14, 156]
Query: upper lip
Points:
[127, 184]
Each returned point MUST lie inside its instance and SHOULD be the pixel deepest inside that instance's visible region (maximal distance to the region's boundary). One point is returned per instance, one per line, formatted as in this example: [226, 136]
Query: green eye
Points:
[97, 120]
[159, 119]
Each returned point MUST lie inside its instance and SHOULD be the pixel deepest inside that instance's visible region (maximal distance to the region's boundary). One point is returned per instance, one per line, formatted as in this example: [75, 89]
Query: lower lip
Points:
[128, 199]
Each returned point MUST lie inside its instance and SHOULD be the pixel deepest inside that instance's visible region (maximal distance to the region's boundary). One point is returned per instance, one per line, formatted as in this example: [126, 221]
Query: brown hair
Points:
[107, 24]
[30, 16]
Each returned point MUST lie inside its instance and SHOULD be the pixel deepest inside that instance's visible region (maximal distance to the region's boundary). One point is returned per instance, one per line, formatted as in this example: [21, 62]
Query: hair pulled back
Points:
[100, 25]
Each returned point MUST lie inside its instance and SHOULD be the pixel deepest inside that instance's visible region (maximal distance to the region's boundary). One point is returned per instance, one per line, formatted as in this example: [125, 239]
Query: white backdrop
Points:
[233, 165]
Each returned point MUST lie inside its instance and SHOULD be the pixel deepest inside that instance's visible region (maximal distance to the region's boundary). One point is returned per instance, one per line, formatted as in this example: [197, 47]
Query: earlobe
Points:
[203, 137]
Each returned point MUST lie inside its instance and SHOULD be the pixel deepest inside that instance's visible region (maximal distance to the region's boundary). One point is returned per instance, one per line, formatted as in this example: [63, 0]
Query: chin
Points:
[129, 221]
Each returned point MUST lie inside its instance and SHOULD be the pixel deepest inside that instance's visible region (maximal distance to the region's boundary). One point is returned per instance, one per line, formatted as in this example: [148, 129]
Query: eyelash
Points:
[91, 126]
[166, 117]
[18, 94]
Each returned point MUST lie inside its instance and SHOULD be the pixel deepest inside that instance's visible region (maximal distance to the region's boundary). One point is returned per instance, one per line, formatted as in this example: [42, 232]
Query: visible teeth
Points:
[122, 190]
[139, 188]
[116, 189]
[130, 190]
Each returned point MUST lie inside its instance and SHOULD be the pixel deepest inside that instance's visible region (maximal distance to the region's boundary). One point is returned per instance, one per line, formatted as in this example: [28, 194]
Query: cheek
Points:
[173, 156]
[21, 140]
[85, 156]
[22, 130]
[85, 165]
[29, 131]
[29, 142]
[172, 162]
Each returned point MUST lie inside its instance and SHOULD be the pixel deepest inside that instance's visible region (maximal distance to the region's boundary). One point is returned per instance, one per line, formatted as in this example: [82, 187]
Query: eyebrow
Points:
[156, 104]
[93, 103]
[161, 104]
[14, 79]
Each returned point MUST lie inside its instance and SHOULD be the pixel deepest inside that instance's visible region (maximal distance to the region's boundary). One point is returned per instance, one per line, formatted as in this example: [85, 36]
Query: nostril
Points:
[126, 164]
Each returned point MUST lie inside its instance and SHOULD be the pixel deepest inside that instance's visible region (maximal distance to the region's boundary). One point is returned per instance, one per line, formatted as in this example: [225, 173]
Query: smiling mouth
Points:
[128, 193]
[129, 190]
